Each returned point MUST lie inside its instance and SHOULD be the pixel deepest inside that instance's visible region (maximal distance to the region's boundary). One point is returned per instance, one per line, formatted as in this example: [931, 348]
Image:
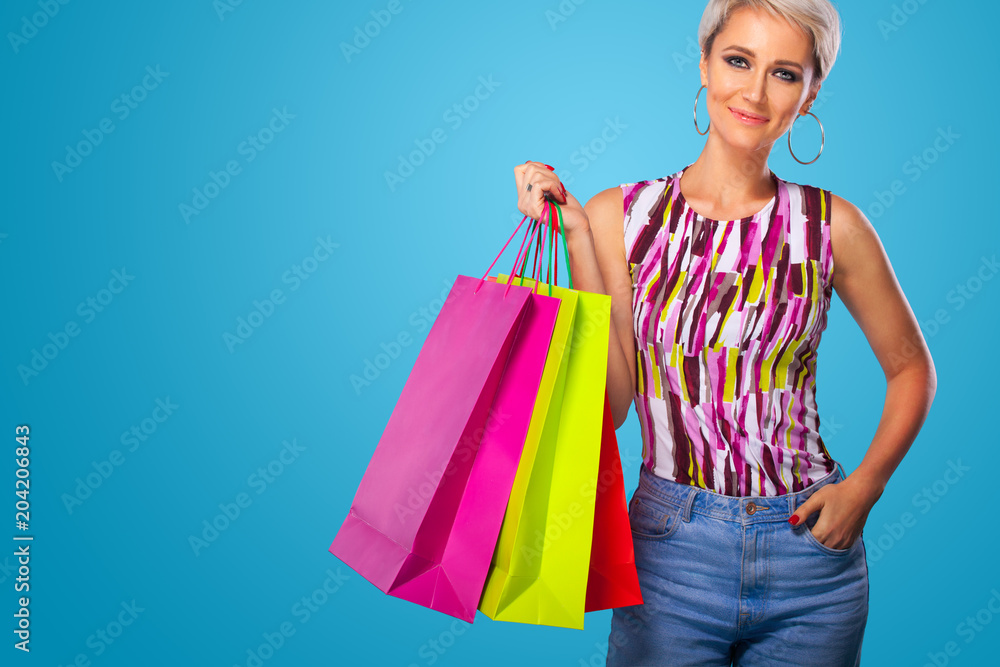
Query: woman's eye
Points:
[736, 61]
[786, 75]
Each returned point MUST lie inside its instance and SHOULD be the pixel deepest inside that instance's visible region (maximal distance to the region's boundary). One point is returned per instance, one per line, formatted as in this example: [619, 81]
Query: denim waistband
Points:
[740, 509]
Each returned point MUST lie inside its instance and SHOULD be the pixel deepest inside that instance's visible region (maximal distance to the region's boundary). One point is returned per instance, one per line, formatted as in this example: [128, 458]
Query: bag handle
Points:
[483, 279]
[528, 232]
[553, 250]
[536, 232]
[536, 266]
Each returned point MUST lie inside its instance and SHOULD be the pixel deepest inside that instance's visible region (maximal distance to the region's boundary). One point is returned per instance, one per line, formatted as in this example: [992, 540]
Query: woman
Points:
[748, 538]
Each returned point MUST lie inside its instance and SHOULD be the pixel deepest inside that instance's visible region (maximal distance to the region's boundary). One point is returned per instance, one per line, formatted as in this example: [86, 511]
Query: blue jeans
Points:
[728, 581]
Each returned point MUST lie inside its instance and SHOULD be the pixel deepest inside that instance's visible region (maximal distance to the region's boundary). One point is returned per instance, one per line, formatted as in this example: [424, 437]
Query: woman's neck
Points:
[727, 185]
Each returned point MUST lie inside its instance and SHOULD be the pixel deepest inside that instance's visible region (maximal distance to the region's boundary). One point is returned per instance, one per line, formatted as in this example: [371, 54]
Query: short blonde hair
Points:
[817, 18]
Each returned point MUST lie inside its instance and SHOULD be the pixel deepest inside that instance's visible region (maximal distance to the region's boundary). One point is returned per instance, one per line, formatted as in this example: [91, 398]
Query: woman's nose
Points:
[755, 90]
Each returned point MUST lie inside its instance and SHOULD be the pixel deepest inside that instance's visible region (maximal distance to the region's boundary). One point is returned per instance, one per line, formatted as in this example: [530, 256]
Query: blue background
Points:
[561, 72]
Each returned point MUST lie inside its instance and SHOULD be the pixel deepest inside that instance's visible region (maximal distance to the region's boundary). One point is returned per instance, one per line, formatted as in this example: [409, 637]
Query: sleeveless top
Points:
[727, 318]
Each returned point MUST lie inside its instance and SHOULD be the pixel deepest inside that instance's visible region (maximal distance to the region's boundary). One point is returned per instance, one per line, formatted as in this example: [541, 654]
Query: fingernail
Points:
[794, 520]
[549, 168]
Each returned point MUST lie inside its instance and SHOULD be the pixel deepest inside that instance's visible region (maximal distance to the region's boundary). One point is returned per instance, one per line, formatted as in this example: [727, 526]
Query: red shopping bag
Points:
[613, 580]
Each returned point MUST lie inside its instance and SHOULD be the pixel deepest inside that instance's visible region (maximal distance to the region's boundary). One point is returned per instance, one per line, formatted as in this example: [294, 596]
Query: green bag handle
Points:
[552, 242]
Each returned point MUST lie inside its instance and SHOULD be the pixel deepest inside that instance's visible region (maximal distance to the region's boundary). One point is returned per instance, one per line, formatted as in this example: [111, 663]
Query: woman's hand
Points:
[845, 507]
[544, 181]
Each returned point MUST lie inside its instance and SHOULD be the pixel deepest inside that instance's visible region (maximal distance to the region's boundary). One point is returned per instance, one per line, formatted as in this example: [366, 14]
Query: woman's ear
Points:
[703, 67]
[810, 98]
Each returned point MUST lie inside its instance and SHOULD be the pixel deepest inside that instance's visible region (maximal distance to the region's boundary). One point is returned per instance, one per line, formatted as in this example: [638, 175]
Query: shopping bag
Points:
[613, 580]
[425, 518]
[540, 568]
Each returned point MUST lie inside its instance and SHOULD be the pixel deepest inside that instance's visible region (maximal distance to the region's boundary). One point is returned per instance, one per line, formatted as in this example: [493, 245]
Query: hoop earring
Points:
[822, 140]
[696, 128]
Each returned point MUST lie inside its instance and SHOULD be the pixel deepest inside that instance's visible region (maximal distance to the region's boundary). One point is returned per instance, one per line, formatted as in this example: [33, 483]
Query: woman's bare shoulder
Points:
[605, 211]
[857, 248]
[847, 216]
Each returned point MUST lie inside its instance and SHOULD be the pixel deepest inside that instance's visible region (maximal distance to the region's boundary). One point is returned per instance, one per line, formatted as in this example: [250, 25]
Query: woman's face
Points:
[758, 77]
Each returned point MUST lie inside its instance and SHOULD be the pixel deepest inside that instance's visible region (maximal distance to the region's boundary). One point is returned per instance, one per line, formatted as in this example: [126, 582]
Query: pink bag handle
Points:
[554, 211]
[517, 260]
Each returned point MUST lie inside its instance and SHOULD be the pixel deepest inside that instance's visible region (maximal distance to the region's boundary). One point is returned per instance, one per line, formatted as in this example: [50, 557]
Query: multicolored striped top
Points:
[727, 319]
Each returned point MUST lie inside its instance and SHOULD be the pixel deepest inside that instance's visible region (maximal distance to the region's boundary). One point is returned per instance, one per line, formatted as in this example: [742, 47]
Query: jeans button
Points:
[751, 508]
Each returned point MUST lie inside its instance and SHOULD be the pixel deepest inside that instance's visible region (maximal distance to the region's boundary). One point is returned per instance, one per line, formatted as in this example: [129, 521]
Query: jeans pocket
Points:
[807, 531]
[653, 518]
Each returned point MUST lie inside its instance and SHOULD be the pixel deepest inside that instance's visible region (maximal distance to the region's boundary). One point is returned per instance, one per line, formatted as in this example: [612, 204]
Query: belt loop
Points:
[688, 503]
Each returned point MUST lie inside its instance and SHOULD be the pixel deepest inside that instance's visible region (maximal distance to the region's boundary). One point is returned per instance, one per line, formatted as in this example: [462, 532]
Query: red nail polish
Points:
[794, 520]
[549, 168]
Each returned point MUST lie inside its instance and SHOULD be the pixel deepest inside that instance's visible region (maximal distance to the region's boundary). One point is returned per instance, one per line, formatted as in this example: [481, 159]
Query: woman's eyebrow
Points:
[787, 63]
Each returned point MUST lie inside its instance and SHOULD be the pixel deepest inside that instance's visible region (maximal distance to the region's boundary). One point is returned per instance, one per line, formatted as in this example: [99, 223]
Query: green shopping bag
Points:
[540, 565]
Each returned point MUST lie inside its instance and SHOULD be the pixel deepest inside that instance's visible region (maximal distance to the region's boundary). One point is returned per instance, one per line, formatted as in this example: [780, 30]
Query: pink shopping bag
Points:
[424, 521]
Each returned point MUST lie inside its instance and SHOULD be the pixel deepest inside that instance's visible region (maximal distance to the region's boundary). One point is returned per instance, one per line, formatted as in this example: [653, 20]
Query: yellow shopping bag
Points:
[540, 566]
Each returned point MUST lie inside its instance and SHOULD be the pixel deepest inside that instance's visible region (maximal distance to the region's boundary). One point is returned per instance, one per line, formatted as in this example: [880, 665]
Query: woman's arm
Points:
[595, 241]
[597, 256]
[866, 283]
